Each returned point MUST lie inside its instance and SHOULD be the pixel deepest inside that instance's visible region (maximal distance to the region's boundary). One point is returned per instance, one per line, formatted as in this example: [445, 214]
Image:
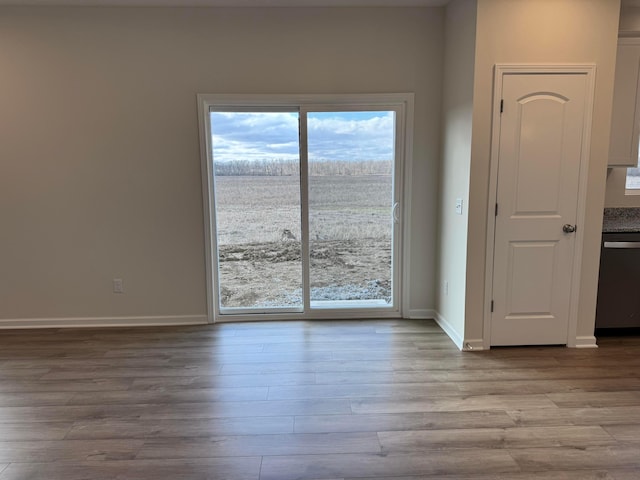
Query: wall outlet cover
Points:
[118, 285]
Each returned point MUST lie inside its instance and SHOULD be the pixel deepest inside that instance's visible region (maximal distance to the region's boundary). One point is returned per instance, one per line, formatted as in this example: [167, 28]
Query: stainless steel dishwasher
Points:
[619, 282]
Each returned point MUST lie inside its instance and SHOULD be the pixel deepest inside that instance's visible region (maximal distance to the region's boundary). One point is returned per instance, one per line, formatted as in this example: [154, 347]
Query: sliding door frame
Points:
[401, 103]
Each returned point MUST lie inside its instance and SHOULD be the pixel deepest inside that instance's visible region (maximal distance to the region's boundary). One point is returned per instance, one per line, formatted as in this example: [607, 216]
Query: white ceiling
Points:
[228, 3]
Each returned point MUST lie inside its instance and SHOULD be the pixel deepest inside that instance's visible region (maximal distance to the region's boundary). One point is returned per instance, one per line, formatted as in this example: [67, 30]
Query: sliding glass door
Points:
[256, 172]
[351, 199]
[305, 209]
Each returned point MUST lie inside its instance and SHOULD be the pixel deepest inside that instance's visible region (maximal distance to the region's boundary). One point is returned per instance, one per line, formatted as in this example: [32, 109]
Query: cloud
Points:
[254, 135]
[360, 135]
[351, 135]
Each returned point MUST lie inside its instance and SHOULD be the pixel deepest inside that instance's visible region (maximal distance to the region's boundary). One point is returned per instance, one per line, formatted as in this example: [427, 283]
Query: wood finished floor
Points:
[323, 400]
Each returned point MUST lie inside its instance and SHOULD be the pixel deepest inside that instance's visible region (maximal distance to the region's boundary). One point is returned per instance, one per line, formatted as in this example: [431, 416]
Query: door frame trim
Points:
[204, 101]
[501, 70]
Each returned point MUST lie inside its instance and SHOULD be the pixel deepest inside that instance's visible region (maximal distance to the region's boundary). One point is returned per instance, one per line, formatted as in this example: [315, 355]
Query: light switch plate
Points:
[459, 206]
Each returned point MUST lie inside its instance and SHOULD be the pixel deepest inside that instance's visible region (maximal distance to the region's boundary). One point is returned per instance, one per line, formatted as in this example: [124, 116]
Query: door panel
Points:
[540, 153]
[351, 199]
[530, 262]
[257, 211]
[537, 162]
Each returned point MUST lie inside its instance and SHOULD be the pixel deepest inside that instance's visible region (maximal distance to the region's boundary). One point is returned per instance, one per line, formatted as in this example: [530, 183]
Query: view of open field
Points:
[259, 239]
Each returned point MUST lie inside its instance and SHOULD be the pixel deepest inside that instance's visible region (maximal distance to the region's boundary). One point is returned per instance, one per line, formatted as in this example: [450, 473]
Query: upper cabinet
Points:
[625, 120]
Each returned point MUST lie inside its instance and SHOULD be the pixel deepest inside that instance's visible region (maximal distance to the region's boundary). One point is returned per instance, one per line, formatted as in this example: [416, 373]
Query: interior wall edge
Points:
[450, 330]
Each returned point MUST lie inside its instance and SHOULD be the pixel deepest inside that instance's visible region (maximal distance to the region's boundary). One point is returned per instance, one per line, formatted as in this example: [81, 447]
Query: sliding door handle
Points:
[394, 212]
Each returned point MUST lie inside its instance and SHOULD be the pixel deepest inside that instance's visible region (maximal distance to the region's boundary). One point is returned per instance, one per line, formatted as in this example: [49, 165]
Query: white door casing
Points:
[540, 150]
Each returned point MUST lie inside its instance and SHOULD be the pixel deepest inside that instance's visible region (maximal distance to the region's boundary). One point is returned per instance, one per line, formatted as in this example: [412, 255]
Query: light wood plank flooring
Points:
[373, 399]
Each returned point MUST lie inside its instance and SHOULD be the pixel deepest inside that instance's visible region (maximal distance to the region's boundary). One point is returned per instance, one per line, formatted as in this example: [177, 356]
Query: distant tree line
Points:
[347, 167]
[275, 167]
[279, 167]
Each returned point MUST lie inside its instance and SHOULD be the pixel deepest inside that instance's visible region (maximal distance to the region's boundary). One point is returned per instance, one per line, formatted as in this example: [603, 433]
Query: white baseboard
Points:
[78, 322]
[588, 341]
[420, 314]
[466, 345]
[449, 330]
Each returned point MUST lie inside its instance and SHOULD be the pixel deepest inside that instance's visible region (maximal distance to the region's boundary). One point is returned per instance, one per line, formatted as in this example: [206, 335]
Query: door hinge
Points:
[496, 209]
[501, 106]
[491, 306]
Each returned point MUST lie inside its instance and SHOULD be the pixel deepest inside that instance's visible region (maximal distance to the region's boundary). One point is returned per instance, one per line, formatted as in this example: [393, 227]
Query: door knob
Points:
[568, 228]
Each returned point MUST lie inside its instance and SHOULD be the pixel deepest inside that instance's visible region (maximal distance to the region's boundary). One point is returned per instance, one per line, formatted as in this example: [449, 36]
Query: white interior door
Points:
[542, 127]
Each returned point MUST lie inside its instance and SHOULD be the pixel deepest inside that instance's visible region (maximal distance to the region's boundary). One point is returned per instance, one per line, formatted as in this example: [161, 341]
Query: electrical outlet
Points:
[118, 286]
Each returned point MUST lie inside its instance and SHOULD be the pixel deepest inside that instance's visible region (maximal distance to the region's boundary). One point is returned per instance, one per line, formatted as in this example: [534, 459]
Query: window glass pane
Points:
[633, 179]
[351, 165]
[257, 209]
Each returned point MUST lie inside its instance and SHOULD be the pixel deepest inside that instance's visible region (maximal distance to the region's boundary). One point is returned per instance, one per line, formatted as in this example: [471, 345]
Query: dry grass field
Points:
[258, 223]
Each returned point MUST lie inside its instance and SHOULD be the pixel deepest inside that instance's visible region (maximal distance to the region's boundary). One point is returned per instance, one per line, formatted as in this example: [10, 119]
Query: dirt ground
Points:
[259, 250]
[270, 274]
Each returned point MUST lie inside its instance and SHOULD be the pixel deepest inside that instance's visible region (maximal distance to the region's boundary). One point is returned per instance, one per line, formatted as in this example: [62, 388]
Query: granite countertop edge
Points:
[621, 220]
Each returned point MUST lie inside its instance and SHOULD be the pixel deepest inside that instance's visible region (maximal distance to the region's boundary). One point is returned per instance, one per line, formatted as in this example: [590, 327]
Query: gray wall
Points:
[543, 32]
[99, 148]
[457, 115]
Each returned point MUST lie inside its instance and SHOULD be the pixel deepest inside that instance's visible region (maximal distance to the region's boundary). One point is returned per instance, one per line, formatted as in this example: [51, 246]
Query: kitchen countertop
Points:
[620, 220]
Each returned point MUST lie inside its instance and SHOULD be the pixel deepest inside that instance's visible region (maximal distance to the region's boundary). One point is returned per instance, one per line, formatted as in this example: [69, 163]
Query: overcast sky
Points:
[274, 135]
